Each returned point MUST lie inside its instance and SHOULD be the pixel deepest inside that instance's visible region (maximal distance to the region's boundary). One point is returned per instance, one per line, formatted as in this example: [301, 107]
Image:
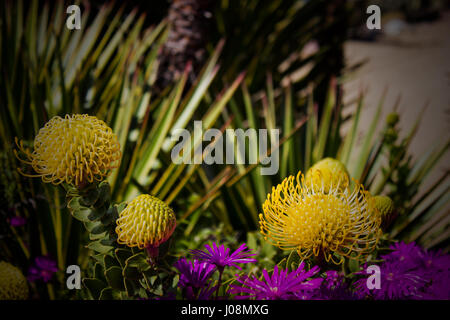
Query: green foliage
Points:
[108, 68]
[276, 37]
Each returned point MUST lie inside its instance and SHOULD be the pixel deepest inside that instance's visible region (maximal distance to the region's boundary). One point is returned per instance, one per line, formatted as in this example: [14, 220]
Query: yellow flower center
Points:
[318, 218]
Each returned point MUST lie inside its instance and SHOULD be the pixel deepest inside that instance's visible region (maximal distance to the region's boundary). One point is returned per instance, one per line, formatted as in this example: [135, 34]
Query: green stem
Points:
[59, 231]
[219, 283]
[21, 243]
[51, 292]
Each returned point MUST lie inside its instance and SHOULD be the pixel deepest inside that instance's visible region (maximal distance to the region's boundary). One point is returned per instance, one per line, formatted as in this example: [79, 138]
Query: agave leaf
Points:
[158, 133]
[422, 209]
[429, 191]
[192, 101]
[428, 162]
[104, 53]
[435, 219]
[368, 143]
[311, 129]
[191, 170]
[287, 159]
[319, 148]
[258, 183]
[207, 121]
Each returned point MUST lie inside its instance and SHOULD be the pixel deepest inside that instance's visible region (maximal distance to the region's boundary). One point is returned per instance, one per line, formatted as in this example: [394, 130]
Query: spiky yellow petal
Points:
[327, 173]
[315, 223]
[146, 221]
[13, 284]
[77, 149]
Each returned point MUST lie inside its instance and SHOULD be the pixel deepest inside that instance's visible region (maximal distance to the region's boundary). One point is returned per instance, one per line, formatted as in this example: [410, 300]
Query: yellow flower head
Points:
[327, 173]
[385, 207]
[13, 284]
[145, 222]
[76, 149]
[319, 224]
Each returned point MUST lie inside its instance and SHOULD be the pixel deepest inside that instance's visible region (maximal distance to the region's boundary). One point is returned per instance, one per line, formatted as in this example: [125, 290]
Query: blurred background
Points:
[408, 57]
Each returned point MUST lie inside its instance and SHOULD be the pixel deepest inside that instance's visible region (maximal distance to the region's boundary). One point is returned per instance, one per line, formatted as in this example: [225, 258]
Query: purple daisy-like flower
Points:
[434, 261]
[334, 287]
[410, 272]
[220, 256]
[398, 281]
[43, 269]
[194, 278]
[194, 274]
[282, 285]
[332, 279]
[436, 267]
[407, 254]
[17, 221]
[439, 289]
[206, 292]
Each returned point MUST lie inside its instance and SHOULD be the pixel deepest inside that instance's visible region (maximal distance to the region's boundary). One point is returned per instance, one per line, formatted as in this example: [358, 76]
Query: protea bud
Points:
[77, 149]
[385, 207]
[392, 119]
[13, 284]
[146, 222]
[327, 174]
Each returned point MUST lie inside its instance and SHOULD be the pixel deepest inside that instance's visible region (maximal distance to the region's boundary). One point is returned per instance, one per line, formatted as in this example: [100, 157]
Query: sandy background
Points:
[415, 64]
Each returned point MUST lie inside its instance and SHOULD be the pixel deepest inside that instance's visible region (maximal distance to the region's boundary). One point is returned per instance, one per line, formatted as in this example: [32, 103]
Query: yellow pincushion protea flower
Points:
[320, 224]
[76, 149]
[146, 222]
[327, 173]
[13, 284]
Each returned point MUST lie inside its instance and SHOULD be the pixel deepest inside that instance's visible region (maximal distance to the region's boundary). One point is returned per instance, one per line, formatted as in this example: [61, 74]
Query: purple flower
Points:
[194, 277]
[436, 267]
[398, 281]
[281, 285]
[332, 280]
[434, 261]
[206, 292]
[406, 253]
[17, 221]
[221, 257]
[439, 288]
[194, 274]
[334, 287]
[167, 297]
[42, 269]
[410, 272]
